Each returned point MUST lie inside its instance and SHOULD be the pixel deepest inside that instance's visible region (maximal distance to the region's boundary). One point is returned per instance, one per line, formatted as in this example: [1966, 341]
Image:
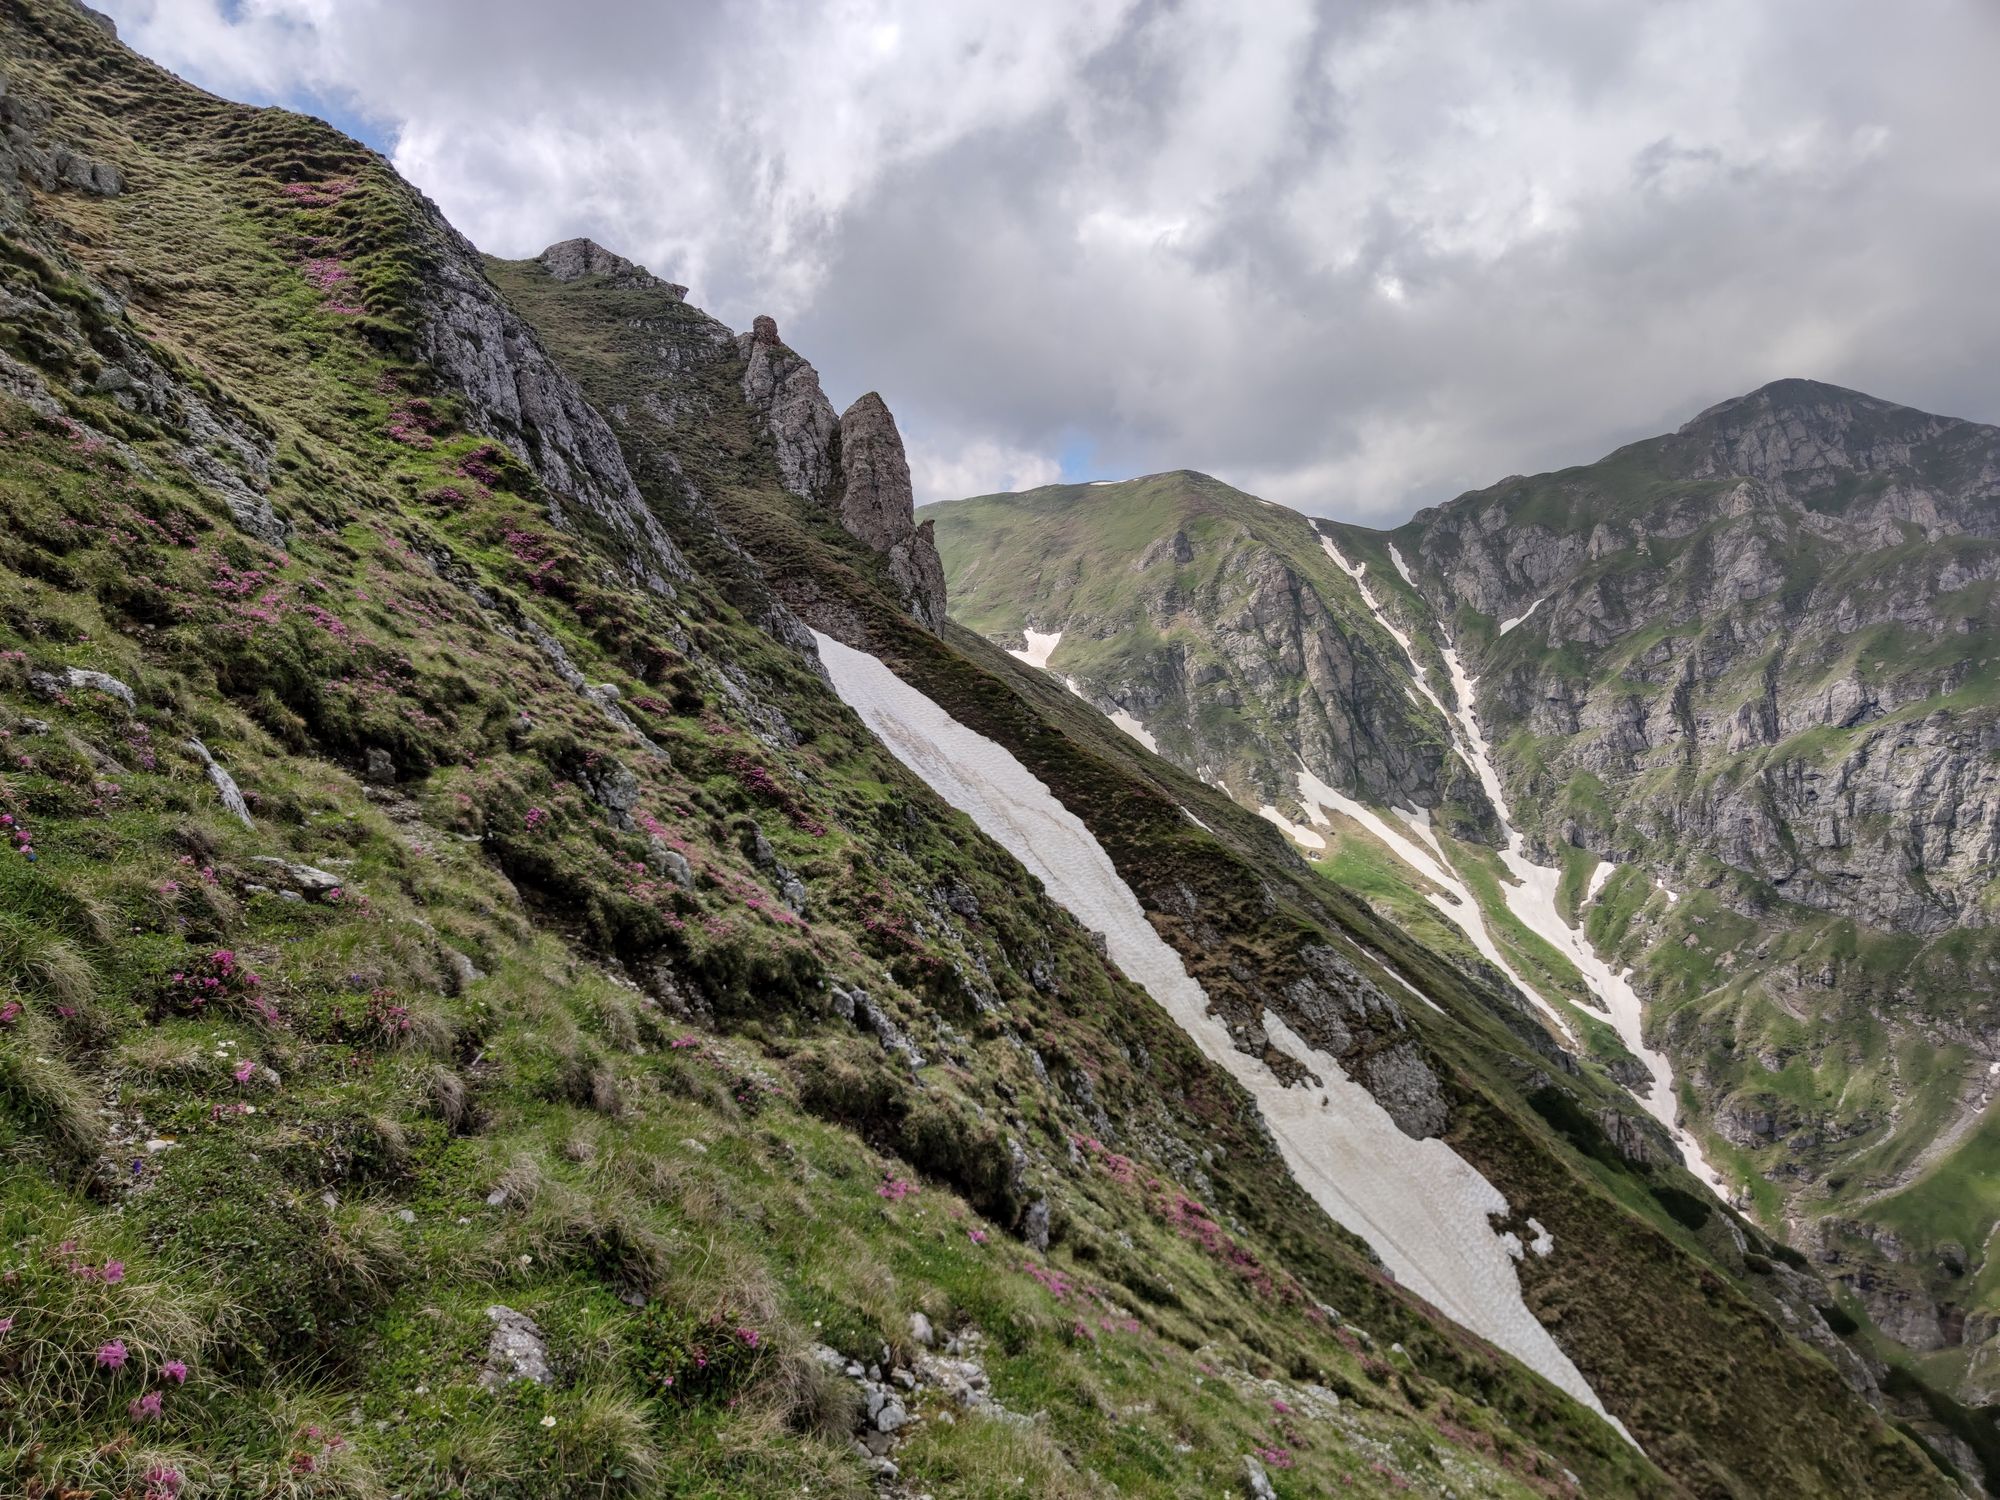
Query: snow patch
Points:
[1604, 871]
[1543, 1242]
[1356, 572]
[1401, 566]
[1298, 832]
[1040, 648]
[1422, 1208]
[1134, 728]
[1507, 625]
[1408, 986]
[1452, 897]
[1533, 901]
[1194, 820]
[1673, 897]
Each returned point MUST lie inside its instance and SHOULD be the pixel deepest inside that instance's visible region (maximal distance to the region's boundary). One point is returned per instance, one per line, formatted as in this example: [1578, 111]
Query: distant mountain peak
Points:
[1792, 395]
[572, 260]
[1805, 433]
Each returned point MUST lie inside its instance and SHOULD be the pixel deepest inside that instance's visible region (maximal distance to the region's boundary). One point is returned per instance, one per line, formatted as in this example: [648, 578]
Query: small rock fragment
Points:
[516, 1351]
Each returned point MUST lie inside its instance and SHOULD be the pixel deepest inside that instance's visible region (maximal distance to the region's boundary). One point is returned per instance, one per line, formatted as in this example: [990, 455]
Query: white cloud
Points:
[1358, 254]
[951, 471]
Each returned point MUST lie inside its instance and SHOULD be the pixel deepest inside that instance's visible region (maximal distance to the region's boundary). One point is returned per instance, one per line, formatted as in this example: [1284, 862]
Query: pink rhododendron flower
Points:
[146, 1407]
[112, 1356]
[176, 1371]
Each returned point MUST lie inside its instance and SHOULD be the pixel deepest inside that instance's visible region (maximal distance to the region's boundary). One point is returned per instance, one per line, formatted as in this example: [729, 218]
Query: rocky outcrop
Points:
[783, 388]
[484, 352]
[29, 153]
[877, 506]
[572, 260]
[853, 464]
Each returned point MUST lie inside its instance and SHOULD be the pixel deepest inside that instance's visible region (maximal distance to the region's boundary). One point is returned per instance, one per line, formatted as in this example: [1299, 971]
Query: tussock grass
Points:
[43, 1093]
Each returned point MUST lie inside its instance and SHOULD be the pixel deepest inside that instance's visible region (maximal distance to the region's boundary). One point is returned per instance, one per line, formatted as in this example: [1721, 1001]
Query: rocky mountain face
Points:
[1756, 656]
[480, 1014]
[1737, 683]
[1802, 562]
[1214, 624]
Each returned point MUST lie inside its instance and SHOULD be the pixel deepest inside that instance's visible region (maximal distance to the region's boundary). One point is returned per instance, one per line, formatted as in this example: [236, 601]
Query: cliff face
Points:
[1783, 603]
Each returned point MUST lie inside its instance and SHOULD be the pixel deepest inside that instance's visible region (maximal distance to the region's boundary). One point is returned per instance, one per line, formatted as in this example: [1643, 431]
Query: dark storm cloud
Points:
[1353, 257]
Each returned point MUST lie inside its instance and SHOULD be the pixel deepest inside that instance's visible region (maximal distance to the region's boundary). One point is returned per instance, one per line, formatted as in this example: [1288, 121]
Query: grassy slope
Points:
[319, 1240]
[1067, 557]
[1698, 1361]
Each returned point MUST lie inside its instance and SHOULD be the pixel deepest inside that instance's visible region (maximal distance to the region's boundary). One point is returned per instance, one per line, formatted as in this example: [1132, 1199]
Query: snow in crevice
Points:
[1040, 648]
[1507, 625]
[1401, 567]
[1531, 898]
[1604, 871]
[1390, 970]
[1453, 898]
[1422, 1208]
[1356, 571]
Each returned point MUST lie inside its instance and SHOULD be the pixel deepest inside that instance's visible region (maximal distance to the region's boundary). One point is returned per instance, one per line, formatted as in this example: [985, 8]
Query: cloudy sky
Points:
[1353, 256]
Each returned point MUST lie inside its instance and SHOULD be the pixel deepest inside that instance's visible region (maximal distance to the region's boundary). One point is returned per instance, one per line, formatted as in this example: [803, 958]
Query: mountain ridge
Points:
[482, 1015]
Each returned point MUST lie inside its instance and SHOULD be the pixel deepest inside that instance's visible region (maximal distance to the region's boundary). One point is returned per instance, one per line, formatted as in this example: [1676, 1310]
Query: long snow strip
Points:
[1420, 1206]
[1531, 895]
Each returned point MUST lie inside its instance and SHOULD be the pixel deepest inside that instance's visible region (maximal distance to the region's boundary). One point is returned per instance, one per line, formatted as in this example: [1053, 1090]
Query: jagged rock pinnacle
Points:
[877, 502]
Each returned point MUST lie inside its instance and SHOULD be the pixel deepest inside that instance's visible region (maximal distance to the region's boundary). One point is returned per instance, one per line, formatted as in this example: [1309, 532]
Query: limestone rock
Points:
[784, 388]
[312, 883]
[514, 392]
[225, 784]
[516, 1350]
[572, 260]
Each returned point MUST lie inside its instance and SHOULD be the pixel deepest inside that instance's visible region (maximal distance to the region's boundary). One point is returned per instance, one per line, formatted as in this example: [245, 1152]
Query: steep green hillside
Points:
[1245, 914]
[1214, 620]
[479, 1016]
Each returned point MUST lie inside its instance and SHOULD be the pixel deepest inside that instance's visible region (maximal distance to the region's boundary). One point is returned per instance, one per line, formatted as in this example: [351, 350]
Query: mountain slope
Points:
[1731, 680]
[1249, 924]
[1216, 624]
[483, 1015]
[1760, 664]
